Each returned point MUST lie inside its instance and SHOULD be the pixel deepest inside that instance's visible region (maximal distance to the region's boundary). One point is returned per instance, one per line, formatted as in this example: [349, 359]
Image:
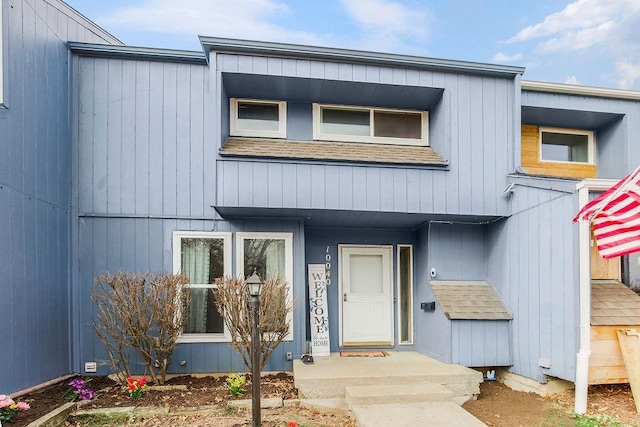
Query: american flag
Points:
[615, 216]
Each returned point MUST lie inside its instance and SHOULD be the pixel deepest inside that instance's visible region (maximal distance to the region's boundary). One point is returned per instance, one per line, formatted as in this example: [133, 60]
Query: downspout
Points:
[582, 358]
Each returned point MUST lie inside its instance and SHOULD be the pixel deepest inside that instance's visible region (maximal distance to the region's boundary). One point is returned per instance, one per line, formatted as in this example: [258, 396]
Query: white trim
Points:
[365, 249]
[288, 263]
[227, 263]
[591, 156]
[568, 89]
[318, 135]
[282, 119]
[398, 293]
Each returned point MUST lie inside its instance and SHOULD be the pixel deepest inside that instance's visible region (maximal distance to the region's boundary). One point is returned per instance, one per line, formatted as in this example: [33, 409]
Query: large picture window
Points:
[257, 118]
[566, 145]
[202, 257]
[268, 254]
[365, 124]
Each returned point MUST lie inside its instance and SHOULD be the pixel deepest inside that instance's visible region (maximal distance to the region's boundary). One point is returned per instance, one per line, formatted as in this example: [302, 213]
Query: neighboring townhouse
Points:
[35, 183]
[438, 194]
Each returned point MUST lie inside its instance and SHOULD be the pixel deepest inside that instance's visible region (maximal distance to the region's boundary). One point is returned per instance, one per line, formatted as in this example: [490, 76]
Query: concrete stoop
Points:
[405, 387]
[431, 414]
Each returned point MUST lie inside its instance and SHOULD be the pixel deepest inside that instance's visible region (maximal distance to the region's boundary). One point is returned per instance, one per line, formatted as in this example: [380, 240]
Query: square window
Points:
[566, 145]
[258, 118]
[202, 257]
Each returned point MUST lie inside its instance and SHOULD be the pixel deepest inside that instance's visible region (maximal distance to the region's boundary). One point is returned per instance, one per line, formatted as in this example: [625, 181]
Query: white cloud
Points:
[580, 25]
[571, 80]
[221, 18]
[503, 57]
[389, 25]
[628, 72]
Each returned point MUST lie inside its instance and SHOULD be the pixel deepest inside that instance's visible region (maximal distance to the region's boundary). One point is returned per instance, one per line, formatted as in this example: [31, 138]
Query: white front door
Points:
[366, 295]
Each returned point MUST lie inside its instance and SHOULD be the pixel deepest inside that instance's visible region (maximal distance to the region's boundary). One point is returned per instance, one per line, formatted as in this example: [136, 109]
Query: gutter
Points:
[568, 89]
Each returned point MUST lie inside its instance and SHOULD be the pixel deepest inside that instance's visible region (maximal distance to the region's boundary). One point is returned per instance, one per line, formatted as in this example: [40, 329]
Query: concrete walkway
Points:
[404, 387]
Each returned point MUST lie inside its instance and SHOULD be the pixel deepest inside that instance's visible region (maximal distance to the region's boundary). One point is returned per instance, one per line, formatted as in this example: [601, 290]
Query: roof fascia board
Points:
[596, 184]
[131, 52]
[353, 56]
[568, 89]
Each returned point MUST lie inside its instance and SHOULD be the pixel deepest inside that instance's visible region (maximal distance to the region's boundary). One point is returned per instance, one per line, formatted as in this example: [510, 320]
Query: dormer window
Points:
[373, 125]
[258, 118]
[566, 145]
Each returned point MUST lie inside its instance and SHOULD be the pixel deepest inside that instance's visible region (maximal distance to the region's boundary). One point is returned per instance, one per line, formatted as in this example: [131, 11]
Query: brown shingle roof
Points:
[327, 150]
[470, 300]
[612, 303]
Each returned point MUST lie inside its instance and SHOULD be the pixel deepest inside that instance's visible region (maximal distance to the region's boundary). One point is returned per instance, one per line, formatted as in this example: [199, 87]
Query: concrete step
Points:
[396, 393]
[429, 414]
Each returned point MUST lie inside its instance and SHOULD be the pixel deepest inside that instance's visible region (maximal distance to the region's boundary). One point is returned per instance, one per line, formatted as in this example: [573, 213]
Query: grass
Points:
[597, 421]
[101, 420]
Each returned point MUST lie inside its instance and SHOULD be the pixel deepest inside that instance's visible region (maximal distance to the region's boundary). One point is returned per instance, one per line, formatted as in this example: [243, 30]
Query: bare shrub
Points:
[233, 302]
[141, 312]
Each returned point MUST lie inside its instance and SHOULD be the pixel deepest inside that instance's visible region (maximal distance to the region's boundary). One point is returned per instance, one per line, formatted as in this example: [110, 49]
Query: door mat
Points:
[362, 354]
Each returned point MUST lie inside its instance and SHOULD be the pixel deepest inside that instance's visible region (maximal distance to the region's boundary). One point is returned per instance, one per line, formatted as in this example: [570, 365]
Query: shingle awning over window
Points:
[336, 151]
[469, 300]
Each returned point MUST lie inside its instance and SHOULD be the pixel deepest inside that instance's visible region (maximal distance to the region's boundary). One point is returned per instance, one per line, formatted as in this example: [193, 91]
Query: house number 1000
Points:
[327, 266]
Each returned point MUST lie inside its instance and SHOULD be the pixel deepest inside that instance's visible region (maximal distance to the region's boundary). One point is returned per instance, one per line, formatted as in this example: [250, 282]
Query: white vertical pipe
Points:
[582, 358]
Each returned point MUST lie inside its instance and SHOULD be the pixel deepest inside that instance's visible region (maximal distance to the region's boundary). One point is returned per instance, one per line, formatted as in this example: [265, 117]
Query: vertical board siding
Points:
[142, 244]
[533, 263]
[142, 138]
[35, 175]
[480, 343]
[432, 334]
[457, 251]
[469, 127]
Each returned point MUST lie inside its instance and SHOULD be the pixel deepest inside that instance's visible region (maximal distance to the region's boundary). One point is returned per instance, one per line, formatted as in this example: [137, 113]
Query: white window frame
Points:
[288, 264]
[399, 294]
[318, 135]
[591, 150]
[282, 119]
[177, 261]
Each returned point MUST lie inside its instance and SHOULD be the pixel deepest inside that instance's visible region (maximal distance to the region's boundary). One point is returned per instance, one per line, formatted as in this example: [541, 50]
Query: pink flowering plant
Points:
[78, 390]
[9, 408]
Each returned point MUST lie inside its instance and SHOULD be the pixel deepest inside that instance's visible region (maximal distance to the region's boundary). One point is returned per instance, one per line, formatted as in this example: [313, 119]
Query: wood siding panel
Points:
[531, 159]
[141, 145]
[35, 179]
[606, 365]
[480, 343]
[532, 262]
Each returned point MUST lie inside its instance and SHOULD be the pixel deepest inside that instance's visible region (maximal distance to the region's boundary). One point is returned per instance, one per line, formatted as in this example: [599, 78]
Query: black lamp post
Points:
[255, 285]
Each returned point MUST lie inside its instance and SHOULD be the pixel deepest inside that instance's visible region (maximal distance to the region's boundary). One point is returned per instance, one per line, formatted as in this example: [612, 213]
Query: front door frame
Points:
[390, 278]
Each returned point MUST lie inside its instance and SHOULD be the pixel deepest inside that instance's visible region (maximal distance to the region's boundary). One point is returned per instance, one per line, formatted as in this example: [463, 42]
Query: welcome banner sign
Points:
[318, 313]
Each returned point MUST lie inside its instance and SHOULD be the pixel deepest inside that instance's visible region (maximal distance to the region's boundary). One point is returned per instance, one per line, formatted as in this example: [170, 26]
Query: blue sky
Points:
[588, 42]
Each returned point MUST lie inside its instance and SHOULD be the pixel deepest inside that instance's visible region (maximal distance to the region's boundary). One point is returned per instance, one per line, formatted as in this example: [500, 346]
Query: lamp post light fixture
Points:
[255, 286]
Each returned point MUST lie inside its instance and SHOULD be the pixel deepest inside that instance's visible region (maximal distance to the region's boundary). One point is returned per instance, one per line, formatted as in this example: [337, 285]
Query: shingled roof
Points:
[469, 300]
[327, 150]
[612, 303]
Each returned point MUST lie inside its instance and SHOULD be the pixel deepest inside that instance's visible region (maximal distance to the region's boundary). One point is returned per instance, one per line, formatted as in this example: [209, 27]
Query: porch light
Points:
[255, 285]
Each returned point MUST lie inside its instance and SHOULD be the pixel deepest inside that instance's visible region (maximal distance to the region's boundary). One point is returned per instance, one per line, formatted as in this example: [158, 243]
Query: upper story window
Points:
[258, 118]
[566, 145]
[374, 125]
[202, 257]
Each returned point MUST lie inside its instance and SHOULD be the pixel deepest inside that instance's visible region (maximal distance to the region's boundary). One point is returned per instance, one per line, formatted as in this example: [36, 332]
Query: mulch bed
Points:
[201, 391]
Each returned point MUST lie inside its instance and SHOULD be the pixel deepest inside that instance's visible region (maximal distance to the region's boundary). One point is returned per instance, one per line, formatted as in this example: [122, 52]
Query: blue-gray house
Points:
[438, 194]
